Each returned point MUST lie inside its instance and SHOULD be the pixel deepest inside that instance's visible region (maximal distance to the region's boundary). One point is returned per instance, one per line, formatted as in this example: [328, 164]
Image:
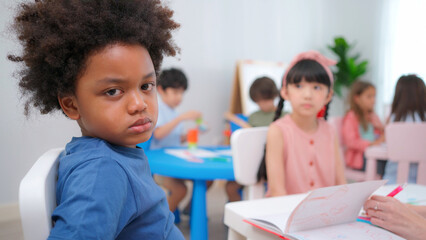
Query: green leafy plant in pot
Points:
[348, 70]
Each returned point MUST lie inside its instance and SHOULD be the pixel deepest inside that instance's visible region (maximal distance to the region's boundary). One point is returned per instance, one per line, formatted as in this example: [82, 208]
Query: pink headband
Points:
[312, 55]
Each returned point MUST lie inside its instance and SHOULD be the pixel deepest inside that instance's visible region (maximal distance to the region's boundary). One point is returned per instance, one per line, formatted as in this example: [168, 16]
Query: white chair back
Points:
[248, 146]
[406, 143]
[37, 196]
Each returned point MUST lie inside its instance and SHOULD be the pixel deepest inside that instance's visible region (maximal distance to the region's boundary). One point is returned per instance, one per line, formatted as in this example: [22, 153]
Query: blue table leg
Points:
[199, 230]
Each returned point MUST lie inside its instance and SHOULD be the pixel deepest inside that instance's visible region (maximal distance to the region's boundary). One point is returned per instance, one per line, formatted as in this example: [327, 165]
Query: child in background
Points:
[409, 105]
[302, 151]
[263, 92]
[361, 126]
[97, 62]
[172, 83]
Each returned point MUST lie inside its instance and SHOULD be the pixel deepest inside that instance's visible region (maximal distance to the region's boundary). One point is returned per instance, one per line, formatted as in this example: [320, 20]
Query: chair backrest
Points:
[247, 146]
[406, 142]
[37, 196]
[337, 123]
[350, 174]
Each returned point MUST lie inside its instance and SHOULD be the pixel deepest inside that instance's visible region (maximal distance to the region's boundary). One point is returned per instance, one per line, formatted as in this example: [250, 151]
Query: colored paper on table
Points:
[195, 155]
[225, 152]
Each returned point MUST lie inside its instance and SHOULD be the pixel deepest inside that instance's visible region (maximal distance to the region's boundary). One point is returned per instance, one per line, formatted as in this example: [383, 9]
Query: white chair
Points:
[37, 196]
[350, 174]
[247, 146]
[406, 143]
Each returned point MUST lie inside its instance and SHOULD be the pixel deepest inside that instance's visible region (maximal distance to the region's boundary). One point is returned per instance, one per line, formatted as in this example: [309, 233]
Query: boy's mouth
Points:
[141, 125]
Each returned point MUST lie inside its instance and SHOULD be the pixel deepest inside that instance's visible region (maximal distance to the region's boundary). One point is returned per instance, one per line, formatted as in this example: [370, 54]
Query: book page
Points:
[276, 222]
[331, 205]
[348, 231]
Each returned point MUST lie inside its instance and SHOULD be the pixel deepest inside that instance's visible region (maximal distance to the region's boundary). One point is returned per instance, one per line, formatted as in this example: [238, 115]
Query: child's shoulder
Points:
[284, 121]
[83, 151]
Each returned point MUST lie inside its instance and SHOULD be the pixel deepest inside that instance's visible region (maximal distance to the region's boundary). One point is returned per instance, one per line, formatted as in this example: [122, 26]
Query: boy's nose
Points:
[136, 103]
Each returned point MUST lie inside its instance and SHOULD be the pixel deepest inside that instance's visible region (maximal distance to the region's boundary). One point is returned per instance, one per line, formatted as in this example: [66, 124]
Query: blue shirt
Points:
[107, 192]
[165, 115]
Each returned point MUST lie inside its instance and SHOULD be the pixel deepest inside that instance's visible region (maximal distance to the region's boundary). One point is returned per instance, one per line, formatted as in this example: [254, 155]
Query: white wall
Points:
[213, 36]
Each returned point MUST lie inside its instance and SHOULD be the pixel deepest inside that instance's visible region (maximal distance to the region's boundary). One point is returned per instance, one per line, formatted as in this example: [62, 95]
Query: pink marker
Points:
[396, 190]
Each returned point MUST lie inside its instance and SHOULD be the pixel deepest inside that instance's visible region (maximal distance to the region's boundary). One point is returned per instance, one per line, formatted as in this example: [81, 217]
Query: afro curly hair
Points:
[58, 36]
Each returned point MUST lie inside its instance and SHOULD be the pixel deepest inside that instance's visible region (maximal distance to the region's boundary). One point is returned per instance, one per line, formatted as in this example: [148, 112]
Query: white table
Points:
[236, 212]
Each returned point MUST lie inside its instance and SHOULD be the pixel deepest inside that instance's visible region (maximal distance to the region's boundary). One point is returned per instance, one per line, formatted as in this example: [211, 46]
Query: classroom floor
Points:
[216, 199]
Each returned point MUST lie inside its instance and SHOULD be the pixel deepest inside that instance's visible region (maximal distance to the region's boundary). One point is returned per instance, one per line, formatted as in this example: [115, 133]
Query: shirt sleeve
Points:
[351, 137]
[94, 202]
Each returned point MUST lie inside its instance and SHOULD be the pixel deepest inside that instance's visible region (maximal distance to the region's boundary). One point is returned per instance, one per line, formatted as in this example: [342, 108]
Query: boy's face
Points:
[266, 105]
[116, 98]
[171, 96]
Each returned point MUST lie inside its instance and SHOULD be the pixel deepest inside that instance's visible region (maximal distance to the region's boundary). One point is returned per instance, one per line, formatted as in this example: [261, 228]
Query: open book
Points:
[326, 213]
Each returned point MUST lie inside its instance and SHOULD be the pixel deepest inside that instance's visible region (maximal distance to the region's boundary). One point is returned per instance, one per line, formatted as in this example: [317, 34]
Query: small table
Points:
[236, 212]
[165, 164]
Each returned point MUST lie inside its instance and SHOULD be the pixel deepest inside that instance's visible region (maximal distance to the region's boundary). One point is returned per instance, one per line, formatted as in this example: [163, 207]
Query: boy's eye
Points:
[147, 86]
[113, 92]
[317, 87]
[298, 85]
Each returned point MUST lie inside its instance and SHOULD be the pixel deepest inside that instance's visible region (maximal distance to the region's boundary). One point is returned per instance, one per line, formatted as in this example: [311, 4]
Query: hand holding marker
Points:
[364, 218]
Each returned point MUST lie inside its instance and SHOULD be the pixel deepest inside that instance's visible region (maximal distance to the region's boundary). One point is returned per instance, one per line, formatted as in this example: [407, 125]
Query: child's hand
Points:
[190, 115]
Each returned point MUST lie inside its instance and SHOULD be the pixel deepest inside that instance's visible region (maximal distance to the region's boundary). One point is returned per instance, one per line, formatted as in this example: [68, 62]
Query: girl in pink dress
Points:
[302, 150]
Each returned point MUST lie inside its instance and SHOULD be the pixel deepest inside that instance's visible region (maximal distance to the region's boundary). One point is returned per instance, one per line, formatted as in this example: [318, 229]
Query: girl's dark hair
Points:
[357, 89]
[310, 71]
[59, 36]
[173, 78]
[410, 98]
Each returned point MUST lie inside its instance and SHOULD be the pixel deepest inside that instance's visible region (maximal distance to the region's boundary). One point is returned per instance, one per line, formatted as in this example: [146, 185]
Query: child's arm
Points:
[275, 162]
[340, 173]
[231, 117]
[166, 129]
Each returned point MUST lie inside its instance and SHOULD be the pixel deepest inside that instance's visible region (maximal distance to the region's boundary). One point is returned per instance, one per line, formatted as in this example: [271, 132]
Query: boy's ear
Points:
[69, 106]
[284, 93]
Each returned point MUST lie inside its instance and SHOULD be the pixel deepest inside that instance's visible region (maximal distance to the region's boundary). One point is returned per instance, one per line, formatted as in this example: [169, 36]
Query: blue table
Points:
[165, 164]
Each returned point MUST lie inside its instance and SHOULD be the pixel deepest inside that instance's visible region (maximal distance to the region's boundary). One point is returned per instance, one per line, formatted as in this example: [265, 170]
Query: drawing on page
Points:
[324, 212]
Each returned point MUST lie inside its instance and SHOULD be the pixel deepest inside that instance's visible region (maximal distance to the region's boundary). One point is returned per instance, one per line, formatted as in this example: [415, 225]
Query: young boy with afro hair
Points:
[97, 62]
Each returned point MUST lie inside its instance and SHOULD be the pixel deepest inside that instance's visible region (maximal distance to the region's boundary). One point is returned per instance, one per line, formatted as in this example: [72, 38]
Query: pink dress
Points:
[309, 159]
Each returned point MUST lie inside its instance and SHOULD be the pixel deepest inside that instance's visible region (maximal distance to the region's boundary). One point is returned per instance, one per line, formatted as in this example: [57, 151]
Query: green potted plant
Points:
[348, 70]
